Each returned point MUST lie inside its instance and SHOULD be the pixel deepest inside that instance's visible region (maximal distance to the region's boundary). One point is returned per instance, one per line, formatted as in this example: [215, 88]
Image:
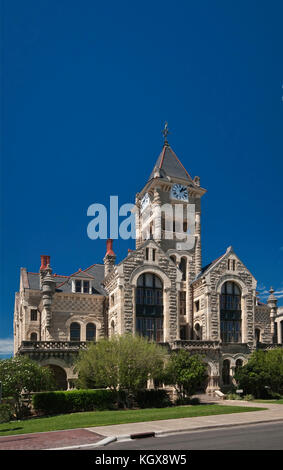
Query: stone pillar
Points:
[198, 245]
[156, 206]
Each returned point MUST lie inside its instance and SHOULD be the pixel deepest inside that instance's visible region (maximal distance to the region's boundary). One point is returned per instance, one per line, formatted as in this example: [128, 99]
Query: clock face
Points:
[180, 192]
[145, 201]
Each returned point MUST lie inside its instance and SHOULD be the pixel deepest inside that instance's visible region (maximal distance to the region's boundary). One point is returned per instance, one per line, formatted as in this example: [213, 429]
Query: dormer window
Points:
[81, 287]
[78, 286]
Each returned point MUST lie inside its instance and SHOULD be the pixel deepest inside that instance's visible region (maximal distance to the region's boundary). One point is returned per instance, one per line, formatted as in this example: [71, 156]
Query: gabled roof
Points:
[63, 283]
[168, 164]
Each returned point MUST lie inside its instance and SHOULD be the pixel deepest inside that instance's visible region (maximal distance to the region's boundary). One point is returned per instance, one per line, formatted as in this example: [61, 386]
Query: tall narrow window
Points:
[33, 315]
[226, 372]
[149, 307]
[183, 268]
[90, 332]
[230, 313]
[75, 332]
[153, 254]
[182, 303]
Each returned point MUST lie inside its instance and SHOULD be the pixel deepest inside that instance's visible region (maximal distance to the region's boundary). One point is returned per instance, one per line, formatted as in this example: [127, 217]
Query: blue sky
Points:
[86, 88]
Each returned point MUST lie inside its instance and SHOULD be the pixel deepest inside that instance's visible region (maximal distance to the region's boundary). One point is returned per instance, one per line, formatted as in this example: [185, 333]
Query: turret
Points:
[47, 284]
[272, 303]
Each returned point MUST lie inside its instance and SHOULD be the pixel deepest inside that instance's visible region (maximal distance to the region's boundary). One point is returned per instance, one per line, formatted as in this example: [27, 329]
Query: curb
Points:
[103, 442]
[199, 428]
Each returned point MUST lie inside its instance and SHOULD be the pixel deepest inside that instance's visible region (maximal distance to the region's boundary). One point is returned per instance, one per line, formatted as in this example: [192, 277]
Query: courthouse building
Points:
[159, 290]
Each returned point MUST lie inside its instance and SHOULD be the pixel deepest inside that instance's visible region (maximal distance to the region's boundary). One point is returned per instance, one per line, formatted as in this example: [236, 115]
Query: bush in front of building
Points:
[73, 401]
[5, 413]
[21, 376]
[124, 362]
[152, 399]
[262, 376]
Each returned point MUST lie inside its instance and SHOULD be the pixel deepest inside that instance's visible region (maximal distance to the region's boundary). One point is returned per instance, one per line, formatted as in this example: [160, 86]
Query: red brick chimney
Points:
[109, 258]
[45, 261]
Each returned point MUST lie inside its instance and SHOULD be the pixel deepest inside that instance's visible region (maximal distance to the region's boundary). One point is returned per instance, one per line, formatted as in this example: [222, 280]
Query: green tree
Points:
[21, 376]
[120, 363]
[262, 376]
[185, 372]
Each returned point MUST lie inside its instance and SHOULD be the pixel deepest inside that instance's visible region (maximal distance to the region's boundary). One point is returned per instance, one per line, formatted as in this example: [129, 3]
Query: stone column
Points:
[198, 245]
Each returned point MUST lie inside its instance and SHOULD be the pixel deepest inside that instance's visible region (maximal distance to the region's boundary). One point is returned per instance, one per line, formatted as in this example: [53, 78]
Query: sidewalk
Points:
[123, 431]
[102, 435]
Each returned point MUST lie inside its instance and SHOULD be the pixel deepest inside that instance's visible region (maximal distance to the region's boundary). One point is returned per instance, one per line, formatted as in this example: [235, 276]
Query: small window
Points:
[33, 337]
[75, 332]
[90, 332]
[78, 286]
[197, 305]
[183, 332]
[182, 303]
[33, 315]
[86, 287]
[153, 254]
[147, 253]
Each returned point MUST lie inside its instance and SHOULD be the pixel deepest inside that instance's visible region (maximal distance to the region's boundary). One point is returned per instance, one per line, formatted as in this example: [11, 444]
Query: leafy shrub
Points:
[75, 400]
[248, 397]
[232, 396]
[5, 413]
[152, 399]
[187, 401]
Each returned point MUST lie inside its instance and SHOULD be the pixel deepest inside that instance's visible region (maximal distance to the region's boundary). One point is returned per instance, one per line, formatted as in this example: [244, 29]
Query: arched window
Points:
[33, 337]
[198, 333]
[90, 332]
[230, 313]
[257, 335]
[226, 372]
[173, 258]
[183, 268]
[75, 332]
[239, 364]
[149, 307]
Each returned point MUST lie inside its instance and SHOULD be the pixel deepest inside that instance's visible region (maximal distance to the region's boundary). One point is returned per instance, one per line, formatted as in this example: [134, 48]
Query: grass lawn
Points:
[104, 418]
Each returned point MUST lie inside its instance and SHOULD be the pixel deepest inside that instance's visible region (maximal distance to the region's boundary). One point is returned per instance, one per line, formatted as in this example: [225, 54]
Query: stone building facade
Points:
[159, 290]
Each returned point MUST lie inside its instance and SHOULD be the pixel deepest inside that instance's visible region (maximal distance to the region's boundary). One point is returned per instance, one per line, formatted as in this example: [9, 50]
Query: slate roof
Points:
[169, 165]
[64, 284]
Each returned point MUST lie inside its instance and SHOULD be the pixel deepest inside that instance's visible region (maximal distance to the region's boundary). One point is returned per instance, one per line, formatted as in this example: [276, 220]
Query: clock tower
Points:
[168, 209]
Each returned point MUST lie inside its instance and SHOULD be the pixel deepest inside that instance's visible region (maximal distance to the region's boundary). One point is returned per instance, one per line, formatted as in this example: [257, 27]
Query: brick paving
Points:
[49, 440]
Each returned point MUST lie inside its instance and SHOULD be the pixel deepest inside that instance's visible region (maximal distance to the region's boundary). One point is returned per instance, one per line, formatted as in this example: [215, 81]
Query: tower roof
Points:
[168, 164]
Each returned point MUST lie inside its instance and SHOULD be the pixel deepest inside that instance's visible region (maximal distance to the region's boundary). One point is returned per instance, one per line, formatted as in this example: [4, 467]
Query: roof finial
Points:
[165, 132]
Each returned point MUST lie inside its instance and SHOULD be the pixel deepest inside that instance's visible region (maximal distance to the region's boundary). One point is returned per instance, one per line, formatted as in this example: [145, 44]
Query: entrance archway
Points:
[60, 376]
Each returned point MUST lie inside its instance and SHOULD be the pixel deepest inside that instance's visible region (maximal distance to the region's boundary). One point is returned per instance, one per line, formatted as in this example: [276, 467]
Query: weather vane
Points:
[165, 132]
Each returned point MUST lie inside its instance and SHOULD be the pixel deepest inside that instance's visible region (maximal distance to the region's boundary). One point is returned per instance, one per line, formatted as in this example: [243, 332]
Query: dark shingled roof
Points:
[63, 283]
[169, 165]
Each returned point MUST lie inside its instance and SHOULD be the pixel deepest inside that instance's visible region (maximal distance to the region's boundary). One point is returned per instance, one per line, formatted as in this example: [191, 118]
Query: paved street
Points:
[249, 437]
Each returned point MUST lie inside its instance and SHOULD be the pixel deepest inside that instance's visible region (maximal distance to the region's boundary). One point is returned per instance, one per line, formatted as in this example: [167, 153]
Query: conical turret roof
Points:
[169, 165]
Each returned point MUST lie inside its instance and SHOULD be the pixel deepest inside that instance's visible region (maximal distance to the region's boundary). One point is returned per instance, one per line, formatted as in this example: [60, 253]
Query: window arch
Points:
[33, 337]
[226, 372]
[257, 335]
[198, 332]
[149, 307]
[183, 268]
[230, 313]
[90, 332]
[75, 332]
[239, 364]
